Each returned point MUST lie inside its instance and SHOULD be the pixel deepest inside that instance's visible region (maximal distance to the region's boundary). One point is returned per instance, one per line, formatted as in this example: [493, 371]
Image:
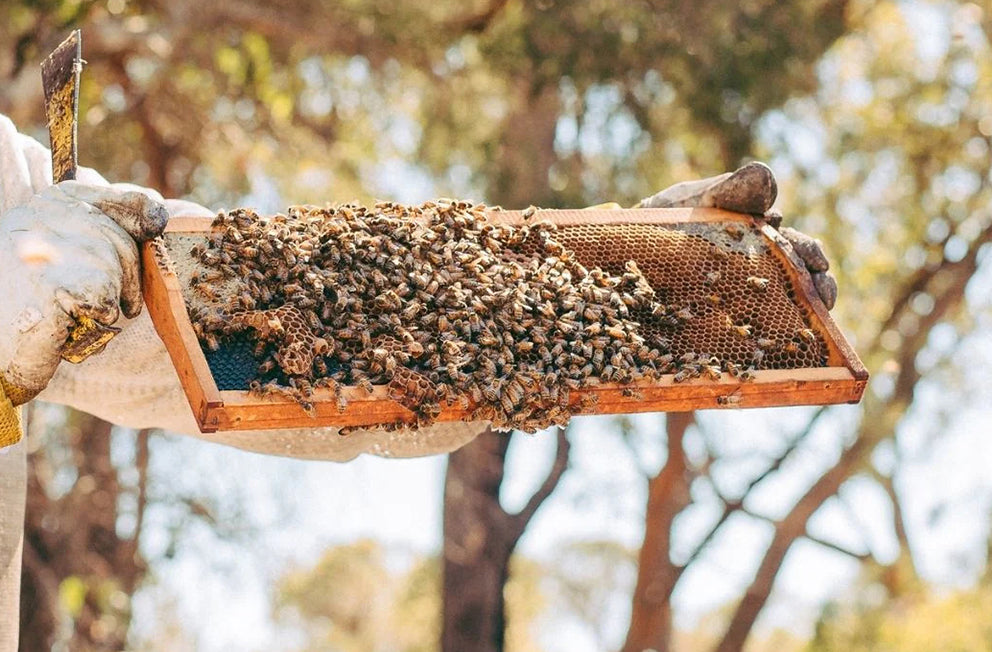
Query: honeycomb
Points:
[447, 303]
[286, 329]
[705, 269]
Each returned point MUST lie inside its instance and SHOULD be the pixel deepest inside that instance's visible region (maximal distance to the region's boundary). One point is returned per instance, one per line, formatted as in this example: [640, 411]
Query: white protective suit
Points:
[133, 383]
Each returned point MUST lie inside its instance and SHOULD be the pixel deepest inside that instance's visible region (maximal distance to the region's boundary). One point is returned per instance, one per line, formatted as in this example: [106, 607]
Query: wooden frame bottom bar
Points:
[774, 388]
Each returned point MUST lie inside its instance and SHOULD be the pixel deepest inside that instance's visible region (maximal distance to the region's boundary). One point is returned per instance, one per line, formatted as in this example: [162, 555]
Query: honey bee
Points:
[718, 253]
[593, 329]
[743, 331]
[247, 300]
[712, 371]
[630, 392]
[491, 392]
[757, 283]
[255, 387]
[302, 385]
[411, 310]
[730, 399]
[616, 332]
[808, 335]
[592, 314]
[507, 403]
[211, 276]
[714, 299]
[734, 230]
[207, 290]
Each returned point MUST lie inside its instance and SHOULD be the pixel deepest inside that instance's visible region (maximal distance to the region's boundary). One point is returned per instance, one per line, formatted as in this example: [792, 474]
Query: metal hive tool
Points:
[732, 287]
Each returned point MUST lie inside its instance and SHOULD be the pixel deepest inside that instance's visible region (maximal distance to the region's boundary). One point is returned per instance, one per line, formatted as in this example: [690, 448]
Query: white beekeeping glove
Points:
[70, 252]
[751, 189]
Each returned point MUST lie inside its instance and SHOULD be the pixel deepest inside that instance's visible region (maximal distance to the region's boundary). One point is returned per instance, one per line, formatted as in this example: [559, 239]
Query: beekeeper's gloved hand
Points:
[69, 252]
[751, 189]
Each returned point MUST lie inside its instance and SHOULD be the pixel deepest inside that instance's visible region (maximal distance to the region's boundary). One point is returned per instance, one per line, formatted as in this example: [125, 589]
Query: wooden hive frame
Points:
[843, 380]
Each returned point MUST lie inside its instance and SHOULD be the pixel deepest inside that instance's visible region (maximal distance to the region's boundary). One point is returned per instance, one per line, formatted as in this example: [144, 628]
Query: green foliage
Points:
[318, 95]
[956, 621]
[904, 170]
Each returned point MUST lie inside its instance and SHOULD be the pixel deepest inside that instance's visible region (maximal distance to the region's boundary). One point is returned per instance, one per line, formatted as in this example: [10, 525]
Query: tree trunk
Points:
[477, 547]
[479, 539]
[668, 494]
[479, 536]
[74, 537]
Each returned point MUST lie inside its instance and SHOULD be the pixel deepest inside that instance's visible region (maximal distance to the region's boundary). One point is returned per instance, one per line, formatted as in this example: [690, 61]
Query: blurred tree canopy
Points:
[876, 117]
[612, 100]
[351, 601]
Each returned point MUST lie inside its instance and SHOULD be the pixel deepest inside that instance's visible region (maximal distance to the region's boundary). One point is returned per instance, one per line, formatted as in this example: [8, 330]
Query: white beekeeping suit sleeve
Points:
[12, 488]
[133, 383]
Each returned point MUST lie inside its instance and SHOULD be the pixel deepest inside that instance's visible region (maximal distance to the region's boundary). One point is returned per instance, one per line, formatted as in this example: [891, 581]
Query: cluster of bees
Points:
[437, 304]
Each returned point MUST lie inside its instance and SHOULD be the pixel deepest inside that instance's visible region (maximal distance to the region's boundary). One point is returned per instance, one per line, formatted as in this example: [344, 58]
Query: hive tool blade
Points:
[60, 73]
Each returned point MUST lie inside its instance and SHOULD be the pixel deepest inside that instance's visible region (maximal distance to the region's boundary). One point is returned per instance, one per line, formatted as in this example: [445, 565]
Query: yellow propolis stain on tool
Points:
[86, 338]
[60, 129]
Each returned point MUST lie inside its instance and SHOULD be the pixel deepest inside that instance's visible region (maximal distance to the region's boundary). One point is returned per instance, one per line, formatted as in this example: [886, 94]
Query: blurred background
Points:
[846, 528]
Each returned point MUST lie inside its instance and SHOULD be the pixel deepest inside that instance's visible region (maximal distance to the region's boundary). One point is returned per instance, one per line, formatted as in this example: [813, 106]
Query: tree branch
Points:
[668, 495]
[860, 556]
[46, 581]
[947, 285]
[856, 522]
[478, 23]
[887, 483]
[141, 463]
[520, 520]
[729, 507]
